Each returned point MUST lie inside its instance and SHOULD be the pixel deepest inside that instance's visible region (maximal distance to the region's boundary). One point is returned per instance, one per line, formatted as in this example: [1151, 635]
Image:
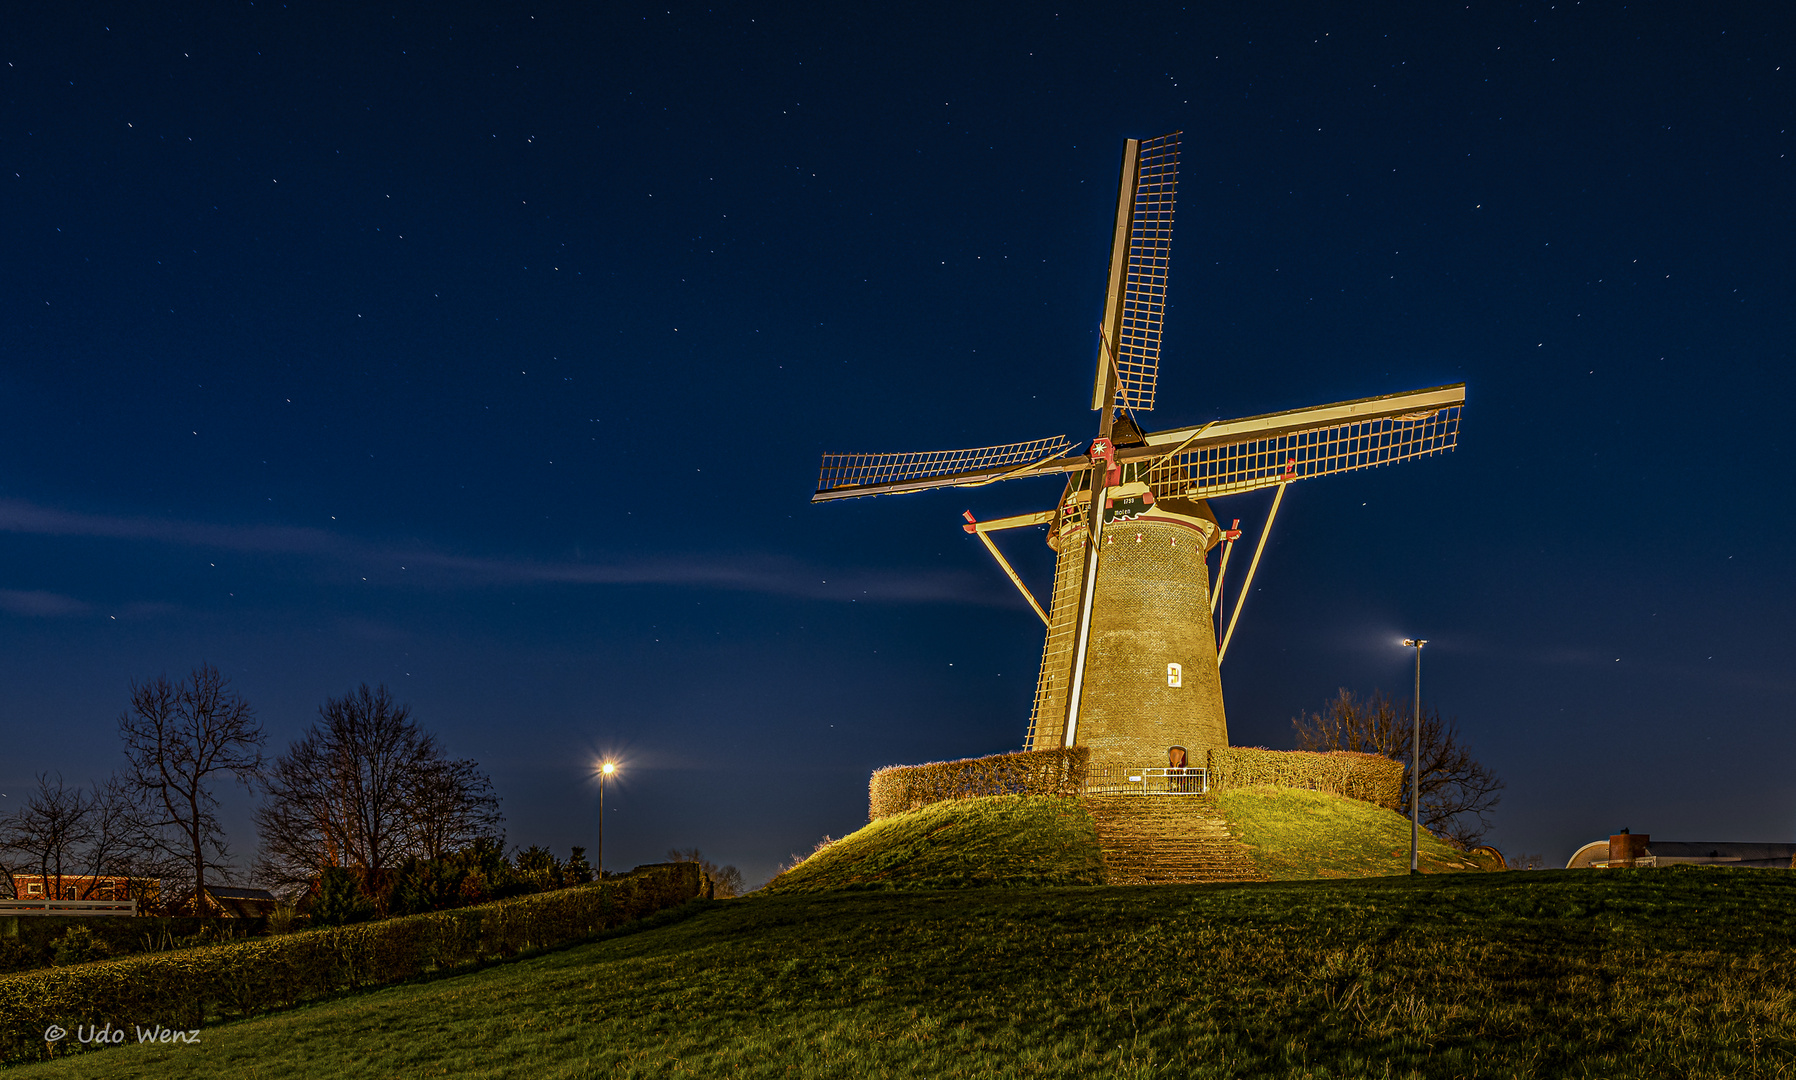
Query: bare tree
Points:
[1457, 791]
[303, 825]
[365, 788]
[451, 805]
[182, 739]
[118, 843]
[49, 832]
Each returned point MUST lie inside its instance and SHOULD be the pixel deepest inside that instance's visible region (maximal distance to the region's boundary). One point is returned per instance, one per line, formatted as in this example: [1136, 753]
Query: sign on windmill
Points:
[1131, 667]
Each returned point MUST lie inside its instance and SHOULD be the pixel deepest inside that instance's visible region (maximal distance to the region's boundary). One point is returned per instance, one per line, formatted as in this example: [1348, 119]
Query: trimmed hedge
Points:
[1371, 778]
[36, 934]
[192, 987]
[898, 788]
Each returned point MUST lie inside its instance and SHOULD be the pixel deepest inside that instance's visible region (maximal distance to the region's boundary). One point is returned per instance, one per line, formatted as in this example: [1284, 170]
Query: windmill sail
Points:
[1144, 290]
[1264, 451]
[1135, 301]
[1222, 458]
[848, 476]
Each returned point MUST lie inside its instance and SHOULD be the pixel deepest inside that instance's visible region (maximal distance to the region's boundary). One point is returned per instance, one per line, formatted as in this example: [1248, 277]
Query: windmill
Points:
[1130, 665]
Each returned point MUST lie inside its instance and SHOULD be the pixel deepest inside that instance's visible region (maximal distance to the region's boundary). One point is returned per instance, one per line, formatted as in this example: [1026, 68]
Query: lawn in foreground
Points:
[1676, 972]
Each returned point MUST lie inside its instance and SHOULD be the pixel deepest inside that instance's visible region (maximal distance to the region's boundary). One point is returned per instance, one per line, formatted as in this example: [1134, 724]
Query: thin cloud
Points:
[20, 517]
[765, 575]
[418, 567]
[42, 605]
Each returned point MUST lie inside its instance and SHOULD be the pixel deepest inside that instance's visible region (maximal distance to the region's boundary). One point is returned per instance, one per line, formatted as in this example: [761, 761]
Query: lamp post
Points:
[605, 771]
[1415, 761]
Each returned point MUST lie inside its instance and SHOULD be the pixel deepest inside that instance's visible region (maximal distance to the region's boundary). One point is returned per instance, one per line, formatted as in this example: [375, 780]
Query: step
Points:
[1166, 839]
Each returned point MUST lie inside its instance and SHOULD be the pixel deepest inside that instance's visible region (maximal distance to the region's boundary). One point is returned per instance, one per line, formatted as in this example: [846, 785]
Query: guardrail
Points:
[1165, 780]
[68, 907]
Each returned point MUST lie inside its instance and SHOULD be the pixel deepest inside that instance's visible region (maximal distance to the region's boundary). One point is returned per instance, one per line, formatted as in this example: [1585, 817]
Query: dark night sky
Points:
[488, 353]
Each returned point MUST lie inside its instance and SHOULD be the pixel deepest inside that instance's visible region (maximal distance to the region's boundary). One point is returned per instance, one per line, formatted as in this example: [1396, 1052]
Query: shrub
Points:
[476, 874]
[538, 868]
[284, 919]
[1372, 778]
[473, 888]
[192, 987]
[17, 956]
[78, 945]
[898, 788]
[419, 886]
[341, 900]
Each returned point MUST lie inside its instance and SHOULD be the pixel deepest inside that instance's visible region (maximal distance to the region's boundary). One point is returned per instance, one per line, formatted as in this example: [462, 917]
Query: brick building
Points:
[71, 887]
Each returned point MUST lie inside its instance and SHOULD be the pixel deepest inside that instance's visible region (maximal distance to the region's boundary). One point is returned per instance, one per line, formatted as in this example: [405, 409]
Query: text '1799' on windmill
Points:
[1130, 667]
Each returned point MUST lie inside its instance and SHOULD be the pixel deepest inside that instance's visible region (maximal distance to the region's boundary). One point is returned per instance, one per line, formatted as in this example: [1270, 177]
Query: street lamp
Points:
[1415, 761]
[605, 772]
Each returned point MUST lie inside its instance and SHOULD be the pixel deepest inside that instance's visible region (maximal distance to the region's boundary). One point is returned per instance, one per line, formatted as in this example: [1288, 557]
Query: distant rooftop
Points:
[1693, 852]
[225, 892]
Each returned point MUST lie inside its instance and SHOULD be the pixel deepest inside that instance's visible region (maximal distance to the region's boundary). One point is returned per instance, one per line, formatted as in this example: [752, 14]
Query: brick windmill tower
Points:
[1131, 665]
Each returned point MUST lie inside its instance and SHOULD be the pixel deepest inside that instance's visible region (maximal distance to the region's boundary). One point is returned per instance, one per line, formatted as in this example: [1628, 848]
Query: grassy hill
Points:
[999, 840]
[1296, 835]
[1677, 972]
[1033, 841]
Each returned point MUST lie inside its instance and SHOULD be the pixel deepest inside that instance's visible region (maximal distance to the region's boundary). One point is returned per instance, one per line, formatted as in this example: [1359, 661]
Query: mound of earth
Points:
[1294, 835]
[1285, 834]
[994, 841]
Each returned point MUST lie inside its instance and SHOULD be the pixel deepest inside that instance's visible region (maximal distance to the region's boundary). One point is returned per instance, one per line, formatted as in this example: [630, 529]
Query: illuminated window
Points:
[34, 889]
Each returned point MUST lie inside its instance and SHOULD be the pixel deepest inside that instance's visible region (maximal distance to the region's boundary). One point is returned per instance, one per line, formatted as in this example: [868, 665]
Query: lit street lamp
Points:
[605, 771]
[1415, 761]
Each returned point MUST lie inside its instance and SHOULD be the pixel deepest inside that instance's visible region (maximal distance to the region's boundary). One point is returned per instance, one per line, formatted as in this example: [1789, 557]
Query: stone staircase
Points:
[1162, 839]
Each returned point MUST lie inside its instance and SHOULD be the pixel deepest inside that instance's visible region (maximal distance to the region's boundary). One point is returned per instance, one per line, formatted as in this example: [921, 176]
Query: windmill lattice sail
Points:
[1280, 459]
[1144, 290]
[853, 475]
[1279, 448]
[1222, 458]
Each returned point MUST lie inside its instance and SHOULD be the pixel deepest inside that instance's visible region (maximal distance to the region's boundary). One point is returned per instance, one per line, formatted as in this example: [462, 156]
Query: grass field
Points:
[1679, 972]
[1296, 835]
[1011, 840]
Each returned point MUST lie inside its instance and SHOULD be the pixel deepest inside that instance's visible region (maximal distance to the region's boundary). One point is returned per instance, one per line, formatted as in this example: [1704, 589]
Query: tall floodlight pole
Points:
[605, 772]
[1415, 762]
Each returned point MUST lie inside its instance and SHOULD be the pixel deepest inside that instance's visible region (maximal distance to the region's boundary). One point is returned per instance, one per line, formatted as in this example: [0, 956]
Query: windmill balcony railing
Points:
[1164, 780]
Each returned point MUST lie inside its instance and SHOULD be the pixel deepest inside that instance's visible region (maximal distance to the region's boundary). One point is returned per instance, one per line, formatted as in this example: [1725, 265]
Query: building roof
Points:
[1723, 851]
[233, 902]
[1701, 852]
[225, 892]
